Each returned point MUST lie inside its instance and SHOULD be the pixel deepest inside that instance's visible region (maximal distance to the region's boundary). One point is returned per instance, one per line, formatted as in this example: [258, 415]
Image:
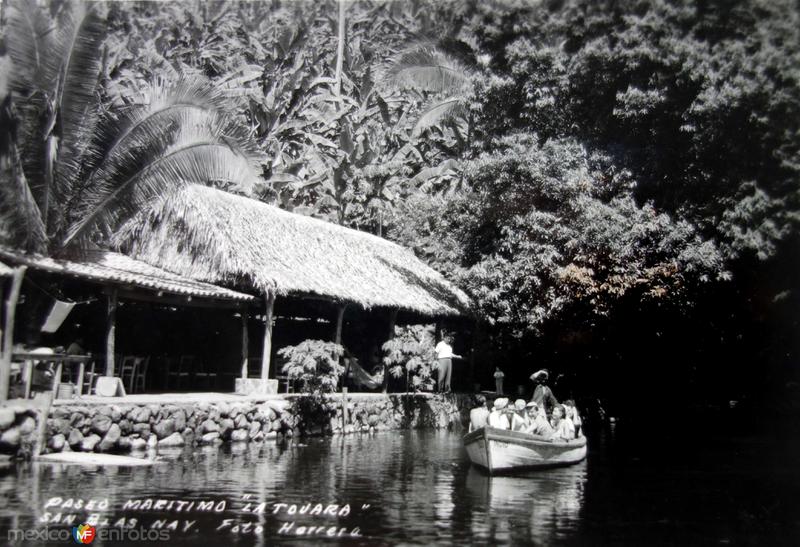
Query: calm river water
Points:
[418, 488]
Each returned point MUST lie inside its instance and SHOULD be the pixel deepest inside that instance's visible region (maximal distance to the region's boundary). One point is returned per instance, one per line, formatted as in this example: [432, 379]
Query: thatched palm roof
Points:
[109, 268]
[217, 237]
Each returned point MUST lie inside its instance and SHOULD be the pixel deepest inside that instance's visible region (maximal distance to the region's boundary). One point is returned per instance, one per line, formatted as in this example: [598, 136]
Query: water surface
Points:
[397, 488]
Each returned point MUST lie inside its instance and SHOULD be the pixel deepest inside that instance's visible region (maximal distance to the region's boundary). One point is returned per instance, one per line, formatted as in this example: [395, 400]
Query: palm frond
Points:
[21, 223]
[426, 68]
[201, 154]
[161, 108]
[29, 39]
[78, 58]
[181, 112]
[439, 112]
[28, 35]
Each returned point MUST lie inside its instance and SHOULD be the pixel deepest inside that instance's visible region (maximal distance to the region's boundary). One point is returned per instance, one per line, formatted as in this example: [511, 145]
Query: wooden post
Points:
[245, 343]
[7, 342]
[392, 322]
[337, 337]
[265, 357]
[339, 321]
[344, 408]
[111, 328]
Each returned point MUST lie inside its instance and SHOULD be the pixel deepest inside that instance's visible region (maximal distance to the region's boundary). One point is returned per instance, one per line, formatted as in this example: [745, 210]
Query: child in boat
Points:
[498, 417]
[563, 426]
[479, 415]
[537, 421]
[519, 418]
[572, 414]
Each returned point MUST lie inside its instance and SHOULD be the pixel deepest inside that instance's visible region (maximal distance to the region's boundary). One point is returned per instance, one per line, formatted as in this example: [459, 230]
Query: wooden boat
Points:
[503, 451]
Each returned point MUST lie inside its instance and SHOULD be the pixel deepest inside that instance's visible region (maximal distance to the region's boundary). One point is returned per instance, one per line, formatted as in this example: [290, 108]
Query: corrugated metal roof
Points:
[110, 267]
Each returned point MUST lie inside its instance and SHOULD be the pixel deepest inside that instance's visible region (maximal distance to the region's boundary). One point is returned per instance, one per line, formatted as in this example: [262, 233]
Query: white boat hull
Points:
[498, 450]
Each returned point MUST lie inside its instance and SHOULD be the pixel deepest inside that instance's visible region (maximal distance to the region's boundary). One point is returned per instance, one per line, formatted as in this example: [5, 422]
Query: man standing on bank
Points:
[445, 356]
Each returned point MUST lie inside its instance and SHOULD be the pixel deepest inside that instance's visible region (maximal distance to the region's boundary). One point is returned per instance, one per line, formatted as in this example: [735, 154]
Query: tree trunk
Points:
[340, 53]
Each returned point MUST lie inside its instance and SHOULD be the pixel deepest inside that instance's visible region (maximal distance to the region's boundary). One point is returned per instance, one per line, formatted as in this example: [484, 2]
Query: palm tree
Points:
[429, 71]
[77, 167]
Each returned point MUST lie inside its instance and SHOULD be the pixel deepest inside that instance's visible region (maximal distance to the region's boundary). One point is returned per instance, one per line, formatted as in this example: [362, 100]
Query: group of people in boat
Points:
[542, 416]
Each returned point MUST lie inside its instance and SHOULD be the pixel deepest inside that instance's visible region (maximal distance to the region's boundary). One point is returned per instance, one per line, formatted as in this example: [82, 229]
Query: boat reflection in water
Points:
[401, 489]
[536, 507]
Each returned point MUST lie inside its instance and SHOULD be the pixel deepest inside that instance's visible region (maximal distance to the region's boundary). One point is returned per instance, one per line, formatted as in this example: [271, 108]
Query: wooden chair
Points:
[204, 378]
[89, 376]
[176, 374]
[127, 371]
[140, 381]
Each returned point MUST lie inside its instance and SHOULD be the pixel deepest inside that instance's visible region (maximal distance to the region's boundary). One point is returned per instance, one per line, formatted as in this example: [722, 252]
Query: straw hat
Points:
[543, 374]
[500, 403]
[519, 404]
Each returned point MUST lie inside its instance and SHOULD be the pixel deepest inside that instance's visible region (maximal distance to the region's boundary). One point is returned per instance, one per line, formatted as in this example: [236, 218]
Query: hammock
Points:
[362, 378]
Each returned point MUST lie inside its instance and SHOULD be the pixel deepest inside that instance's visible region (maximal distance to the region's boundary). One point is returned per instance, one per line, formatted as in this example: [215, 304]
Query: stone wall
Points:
[21, 428]
[109, 427]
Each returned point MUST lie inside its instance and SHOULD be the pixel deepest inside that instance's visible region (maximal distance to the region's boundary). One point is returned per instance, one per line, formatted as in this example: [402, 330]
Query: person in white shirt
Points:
[498, 380]
[445, 356]
[537, 422]
[563, 426]
[519, 418]
[497, 417]
[572, 414]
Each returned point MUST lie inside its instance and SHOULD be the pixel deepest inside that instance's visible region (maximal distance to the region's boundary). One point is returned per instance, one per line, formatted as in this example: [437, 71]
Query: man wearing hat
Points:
[543, 395]
[497, 417]
[537, 422]
[519, 419]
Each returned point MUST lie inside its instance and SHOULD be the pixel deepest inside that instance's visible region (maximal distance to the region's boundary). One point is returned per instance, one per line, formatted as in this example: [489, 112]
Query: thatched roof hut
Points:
[217, 237]
[110, 269]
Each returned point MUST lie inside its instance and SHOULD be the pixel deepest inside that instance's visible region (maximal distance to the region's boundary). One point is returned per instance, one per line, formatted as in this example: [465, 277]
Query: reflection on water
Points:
[414, 488]
[400, 488]
[535, 506]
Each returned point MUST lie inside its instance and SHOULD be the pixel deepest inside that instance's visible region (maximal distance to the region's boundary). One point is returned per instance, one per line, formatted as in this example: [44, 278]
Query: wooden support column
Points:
[392, 323]
[337, 337]
[111, 328]
[7, 341]
[245, 343]
[339, 321]
[265, 357]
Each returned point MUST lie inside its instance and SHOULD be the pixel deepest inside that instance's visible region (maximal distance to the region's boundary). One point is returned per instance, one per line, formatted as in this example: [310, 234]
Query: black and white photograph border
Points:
[400, 272]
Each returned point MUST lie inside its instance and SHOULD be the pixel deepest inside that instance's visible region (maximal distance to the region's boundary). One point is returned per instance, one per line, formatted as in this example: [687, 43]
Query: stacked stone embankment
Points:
[19, 428]
[121, 427]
